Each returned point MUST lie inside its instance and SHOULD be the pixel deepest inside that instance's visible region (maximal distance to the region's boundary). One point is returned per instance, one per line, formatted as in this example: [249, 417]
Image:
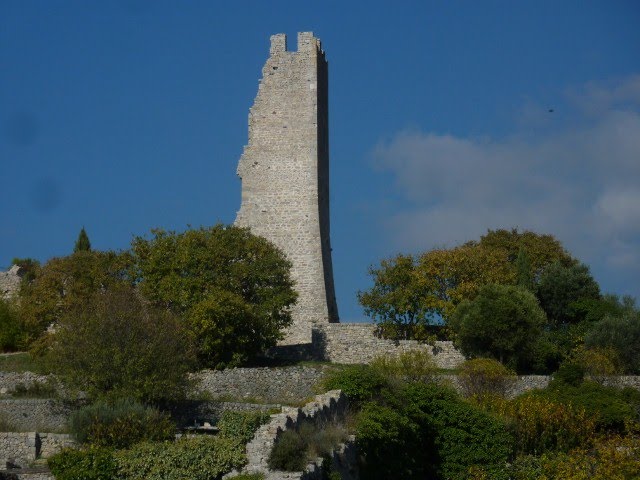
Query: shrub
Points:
[295, 448]
[35, 390]
[10, 329]
[359, 382]
[610, 406]
[288, 453]
[598, 363]
[114, 345]
[93, 463]
[542, 426]
[569, 373]
[241, 425]
[412, 366]
[484, 376]
[120, 424]
[622, 334]
[197, 458]
[244, 476]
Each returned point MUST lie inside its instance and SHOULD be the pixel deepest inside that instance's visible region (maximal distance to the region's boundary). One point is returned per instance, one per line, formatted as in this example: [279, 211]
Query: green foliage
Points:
[360, 383]
[29, 268]
[570, 373]
[561, 286]
[389, 443]
[21, 362]
[622, 334]
[288, 453]
[295, 448]
[411, 366]
[524, 274]
[10, 328]
[115, 345]
[255, 476]
[82, 243]
[241, 425]
[93, 463]
[35, 390]
[502, 322]
[611, 407]
[484, 376]
[541, 425]
[456, 434]
[197, 458]
[120, 424]
[67, 283]
[233, 288]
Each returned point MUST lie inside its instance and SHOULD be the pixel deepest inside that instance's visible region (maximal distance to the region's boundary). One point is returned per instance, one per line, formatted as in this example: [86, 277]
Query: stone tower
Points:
[285, 174]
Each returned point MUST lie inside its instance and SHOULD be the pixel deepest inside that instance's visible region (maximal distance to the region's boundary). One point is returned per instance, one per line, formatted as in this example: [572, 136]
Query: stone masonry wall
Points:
[21, 449]
[10, 282]
[356, 343]
[10, 380]
[285, 174]
[326, 408]
[35, 414]
[273, 385]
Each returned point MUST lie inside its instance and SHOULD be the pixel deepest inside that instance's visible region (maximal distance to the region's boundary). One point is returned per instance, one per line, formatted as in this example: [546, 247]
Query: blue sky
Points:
[123, 116]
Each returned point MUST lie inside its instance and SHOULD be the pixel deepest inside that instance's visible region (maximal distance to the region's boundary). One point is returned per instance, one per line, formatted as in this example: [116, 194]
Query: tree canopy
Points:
[232, 288]
[82, 243]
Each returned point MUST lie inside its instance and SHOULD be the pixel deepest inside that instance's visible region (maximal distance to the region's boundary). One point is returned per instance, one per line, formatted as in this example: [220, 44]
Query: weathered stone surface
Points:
[356, 343]
[285, 174]
[10, 380]
[10, 282]
[21, 449]
[35, 414]
[272, 385]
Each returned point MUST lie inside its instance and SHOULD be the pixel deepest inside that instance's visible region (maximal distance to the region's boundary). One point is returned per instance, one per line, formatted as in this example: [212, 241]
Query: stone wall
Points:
[198, 412]
[10, 282]
[21, 449]
[10, 380]
[285, 174]
[35, 414]
[356, 343]
[324, 409]
[271, 385]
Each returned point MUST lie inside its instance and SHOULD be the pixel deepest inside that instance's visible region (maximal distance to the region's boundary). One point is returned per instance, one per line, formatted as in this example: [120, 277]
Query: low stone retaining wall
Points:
[10, 380]
[272, 385]
[198, 412]
[28, 474]
[35, 414]
[326, 408]
[357, 343]
[21, 449]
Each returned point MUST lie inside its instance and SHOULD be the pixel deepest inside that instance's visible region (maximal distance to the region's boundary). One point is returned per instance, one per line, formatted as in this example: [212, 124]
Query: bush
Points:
[10, 329]
[241, 425]
[611, 407]
[412, 366]
[197, 458]
[359, 382]
[295, 448]
[622, 334]
[456, 435]
[484, 376]
[541, 426]
[569, 373]
[93, 463]
[288, 453]
[35, 390]
[120, 424]
[116, 346]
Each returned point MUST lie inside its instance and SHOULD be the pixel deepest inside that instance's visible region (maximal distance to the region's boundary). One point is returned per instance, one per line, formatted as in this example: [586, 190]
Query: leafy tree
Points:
[66, 283]
[622, 334]
[114, 345]
[10, 329]
[502, 322]
[421, 290]
[82, 243]
[29, 268]
[232, 288]
[561, 286]
[523, 269]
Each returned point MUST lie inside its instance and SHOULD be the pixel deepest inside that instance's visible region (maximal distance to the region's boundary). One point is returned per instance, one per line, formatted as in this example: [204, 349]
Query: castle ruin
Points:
[285, 175]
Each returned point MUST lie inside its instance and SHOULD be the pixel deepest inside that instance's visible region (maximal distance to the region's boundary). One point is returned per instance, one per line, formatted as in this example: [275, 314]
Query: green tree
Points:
[502, 322]
[622, 334]
[561, 286]
[114, 345]
[66, 283]
[232, 288]
[523, 270]
[10, 330]
[82, 243]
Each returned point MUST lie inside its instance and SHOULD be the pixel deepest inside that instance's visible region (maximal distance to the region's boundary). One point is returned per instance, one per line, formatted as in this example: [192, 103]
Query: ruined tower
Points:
[285, 174]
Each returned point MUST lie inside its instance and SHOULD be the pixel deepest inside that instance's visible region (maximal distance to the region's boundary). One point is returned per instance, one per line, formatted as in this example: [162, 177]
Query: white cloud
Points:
[580, 182]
